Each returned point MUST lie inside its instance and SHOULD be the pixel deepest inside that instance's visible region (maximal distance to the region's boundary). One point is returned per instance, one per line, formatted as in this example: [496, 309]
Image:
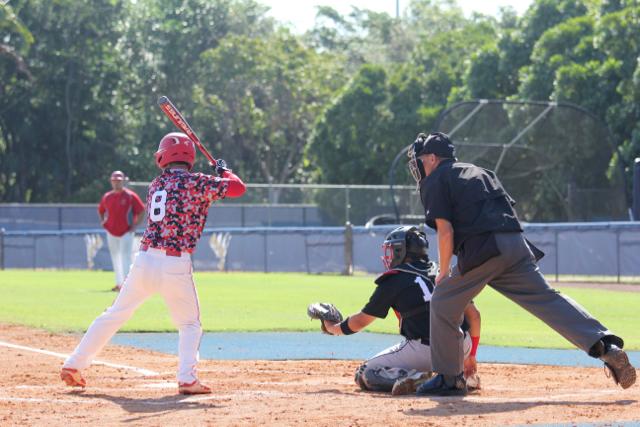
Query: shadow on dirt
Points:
[171, 403]
[327, 391]
[448, 406]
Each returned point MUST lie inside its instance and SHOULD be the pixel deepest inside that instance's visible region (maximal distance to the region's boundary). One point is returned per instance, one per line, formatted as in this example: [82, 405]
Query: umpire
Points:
[475, 220]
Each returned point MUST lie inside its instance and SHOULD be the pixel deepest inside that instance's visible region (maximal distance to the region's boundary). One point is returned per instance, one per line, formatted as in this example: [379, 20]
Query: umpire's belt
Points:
[166, 251]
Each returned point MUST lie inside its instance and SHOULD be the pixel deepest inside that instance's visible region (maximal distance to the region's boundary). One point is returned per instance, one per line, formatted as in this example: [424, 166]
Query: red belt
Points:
[168, 252]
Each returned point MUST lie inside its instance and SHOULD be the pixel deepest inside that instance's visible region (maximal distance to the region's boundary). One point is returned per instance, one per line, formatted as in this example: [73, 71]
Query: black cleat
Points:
[443, 385]
[617, 362]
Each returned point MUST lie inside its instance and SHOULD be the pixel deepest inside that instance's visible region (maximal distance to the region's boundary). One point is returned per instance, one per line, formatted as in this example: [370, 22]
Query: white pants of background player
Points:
[398, 361]
[120, 249]
[152, 272]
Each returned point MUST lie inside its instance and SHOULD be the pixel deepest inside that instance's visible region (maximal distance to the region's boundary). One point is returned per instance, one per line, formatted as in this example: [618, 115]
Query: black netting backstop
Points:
[555, 159]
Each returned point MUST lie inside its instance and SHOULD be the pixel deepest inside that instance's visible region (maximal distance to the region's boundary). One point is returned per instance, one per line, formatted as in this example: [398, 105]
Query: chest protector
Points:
[427, 273]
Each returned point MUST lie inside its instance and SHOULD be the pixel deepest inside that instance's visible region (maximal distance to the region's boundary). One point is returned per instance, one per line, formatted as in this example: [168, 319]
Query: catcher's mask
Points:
[403, 242]
[436, 143]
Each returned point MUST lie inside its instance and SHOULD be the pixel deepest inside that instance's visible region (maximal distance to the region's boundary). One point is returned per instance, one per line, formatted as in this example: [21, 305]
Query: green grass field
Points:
[70, 300]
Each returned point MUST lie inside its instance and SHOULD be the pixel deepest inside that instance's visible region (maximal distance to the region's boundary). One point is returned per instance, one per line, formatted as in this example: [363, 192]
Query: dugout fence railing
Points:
[606, 251]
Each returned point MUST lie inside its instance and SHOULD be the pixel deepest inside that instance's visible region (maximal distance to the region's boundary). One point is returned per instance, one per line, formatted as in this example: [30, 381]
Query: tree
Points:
[545, 14]
[258, 99]
[67, 118]
[15, 79]
[617, 36]
[566, 43]
[16, 43]
[163, 43]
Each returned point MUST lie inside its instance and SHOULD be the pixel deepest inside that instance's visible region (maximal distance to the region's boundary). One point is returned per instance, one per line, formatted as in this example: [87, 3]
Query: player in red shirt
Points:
[120, 211]
[177, 205]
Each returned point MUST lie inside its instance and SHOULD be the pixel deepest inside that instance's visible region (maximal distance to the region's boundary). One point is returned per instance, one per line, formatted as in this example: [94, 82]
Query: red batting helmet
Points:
[175, 147]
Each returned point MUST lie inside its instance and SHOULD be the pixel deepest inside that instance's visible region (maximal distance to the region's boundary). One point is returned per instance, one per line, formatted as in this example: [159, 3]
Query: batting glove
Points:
[221, 167]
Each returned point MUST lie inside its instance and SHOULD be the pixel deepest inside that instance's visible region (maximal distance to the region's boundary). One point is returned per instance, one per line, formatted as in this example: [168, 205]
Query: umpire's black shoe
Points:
[617, 362]
[443, 385]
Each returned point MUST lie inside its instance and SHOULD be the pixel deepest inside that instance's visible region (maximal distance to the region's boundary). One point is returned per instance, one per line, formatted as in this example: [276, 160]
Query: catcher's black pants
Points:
[514, 274]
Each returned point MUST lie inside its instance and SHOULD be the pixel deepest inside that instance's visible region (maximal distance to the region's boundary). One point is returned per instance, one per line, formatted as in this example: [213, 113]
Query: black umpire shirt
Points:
[473, 200]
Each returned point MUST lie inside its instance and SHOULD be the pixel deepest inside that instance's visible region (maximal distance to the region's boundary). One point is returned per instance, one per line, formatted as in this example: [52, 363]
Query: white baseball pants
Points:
[120, 249]
[410, 354]
[152, 272]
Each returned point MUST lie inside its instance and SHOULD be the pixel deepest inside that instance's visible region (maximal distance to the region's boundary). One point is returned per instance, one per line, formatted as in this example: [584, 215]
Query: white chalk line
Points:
[91, 389]
[48, 400]
[179, 400]
[159, 385]
[144, 372]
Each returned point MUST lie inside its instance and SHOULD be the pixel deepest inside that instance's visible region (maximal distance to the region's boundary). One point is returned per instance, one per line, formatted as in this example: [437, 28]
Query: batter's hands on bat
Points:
[220, 167]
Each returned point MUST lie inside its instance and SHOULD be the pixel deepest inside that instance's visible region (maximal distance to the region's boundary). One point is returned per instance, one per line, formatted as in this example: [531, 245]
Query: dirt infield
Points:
[283, 392]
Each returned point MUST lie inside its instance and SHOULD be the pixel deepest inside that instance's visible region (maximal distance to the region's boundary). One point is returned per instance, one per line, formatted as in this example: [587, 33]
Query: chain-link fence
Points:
[278, 205]
[312, 205]
[574, 251]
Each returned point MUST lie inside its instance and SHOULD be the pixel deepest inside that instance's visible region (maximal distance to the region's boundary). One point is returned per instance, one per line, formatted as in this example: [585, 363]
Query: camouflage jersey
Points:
[177, 206]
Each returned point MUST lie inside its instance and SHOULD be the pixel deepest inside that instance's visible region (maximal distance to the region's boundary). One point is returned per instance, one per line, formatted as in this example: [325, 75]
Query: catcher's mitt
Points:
[324, 311]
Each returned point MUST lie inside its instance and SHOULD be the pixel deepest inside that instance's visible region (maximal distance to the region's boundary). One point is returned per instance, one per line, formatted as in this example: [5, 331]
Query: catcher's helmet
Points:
[403, 242]
[175, 147]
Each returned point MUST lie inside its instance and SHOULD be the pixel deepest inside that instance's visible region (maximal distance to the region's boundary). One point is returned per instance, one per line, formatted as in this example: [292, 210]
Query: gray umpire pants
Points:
[515, 275]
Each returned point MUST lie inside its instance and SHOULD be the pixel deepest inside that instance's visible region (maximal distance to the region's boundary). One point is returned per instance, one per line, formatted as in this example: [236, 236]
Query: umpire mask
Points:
[415, 164]
[437, 143]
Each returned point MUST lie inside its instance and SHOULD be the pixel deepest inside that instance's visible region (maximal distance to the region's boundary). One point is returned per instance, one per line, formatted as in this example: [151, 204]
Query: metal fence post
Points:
[265, 250]
[2, 230]
[618, 254]
[348, 249]
[636, 190]
[570, 201]
[557, 254]
[347, 204]
[271, 198]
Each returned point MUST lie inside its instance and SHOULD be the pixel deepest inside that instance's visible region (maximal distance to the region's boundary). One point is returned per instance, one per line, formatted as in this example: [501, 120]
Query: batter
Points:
[177, 206]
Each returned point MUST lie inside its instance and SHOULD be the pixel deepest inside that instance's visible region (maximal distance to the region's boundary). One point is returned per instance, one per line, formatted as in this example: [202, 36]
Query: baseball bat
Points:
[172, 112]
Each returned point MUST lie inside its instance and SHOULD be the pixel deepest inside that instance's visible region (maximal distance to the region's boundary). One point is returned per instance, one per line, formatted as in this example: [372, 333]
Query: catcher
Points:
[405, 286]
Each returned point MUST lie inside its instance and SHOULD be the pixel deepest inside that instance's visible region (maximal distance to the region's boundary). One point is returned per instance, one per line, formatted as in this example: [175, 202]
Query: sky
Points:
[300, 14]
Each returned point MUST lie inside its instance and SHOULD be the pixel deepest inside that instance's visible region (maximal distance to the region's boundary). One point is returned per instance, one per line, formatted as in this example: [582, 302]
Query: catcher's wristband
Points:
[474, 346]
[344, 327]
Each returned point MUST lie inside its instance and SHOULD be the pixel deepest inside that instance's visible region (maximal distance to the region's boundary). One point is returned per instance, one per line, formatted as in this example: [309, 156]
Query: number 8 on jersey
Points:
[157, 207]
